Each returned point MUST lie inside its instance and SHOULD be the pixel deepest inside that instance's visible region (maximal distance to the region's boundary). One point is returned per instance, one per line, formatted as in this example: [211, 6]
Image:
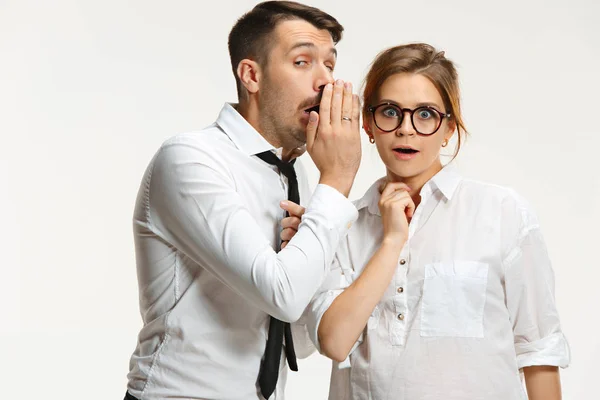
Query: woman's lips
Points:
[405, 154]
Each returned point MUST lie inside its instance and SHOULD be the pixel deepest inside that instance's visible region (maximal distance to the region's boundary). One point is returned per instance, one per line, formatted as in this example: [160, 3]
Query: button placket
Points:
[398, 326]
[398, 329]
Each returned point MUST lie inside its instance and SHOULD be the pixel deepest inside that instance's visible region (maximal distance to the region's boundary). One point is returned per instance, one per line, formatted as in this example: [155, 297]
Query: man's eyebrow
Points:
[311, 46]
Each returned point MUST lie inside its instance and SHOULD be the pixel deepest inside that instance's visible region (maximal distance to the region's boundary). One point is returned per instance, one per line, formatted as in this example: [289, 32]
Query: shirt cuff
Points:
[340, 212]
[303, 345]
[552, 350]
[318, 306]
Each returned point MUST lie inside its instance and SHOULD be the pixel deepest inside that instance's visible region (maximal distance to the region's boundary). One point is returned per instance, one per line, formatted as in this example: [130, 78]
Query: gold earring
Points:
[445, 143]
[371, 139]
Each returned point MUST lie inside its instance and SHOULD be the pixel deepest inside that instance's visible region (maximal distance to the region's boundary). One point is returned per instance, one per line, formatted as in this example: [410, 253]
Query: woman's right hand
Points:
[344, 321]
[396, 207]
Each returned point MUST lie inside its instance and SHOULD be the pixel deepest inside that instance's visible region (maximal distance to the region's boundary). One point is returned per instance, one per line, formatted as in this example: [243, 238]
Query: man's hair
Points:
[252, 35]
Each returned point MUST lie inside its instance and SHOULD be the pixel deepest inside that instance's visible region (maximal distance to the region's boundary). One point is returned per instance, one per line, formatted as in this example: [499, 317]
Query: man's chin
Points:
[300, 137]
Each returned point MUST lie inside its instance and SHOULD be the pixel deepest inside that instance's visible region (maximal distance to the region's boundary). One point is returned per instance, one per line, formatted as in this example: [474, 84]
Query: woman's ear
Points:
[366, 123]
[367, 128]
[452, 125]
[451, 129]
[249, 73]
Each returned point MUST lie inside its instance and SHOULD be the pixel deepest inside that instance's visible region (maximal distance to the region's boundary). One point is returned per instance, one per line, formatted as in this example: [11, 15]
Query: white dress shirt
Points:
[471, 302]
[206, 226]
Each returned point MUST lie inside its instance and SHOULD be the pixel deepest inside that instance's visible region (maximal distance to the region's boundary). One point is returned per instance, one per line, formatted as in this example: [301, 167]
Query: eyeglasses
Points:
[426, 120]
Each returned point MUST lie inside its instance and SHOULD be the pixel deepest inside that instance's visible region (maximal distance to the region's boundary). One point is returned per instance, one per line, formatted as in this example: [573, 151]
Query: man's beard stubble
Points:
[277, 125]
[288, 131]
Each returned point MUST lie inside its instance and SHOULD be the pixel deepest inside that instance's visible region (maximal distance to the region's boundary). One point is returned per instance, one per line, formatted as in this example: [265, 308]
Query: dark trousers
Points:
[129, 397]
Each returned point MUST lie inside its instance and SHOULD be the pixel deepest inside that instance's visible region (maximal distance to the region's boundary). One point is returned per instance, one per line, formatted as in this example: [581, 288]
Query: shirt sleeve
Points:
[340, 276]
[303, 346]
[192, 203]
[529, 283]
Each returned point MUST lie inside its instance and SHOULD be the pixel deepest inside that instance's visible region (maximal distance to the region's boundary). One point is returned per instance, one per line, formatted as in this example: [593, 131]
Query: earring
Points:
[371, 139]
[445, 143]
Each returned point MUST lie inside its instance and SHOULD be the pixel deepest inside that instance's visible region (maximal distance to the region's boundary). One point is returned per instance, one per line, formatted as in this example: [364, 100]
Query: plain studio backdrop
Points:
[90, 89]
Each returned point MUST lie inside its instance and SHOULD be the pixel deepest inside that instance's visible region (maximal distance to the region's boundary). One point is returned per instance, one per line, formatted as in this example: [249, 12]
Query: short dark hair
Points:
[250, 37]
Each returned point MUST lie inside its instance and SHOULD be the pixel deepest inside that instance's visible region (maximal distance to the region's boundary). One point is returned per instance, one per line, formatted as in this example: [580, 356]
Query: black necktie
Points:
[269, 370]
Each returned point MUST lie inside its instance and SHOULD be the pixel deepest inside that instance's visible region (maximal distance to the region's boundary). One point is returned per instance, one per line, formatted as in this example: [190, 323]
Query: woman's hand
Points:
[289, 225]
[396, 207]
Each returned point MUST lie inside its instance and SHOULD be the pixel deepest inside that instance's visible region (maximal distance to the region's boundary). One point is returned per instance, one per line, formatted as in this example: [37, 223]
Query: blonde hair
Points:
[422, 59]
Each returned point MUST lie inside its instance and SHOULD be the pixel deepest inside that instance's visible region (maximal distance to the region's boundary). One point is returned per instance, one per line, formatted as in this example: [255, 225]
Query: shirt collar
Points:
[242, 134]
[446, 181]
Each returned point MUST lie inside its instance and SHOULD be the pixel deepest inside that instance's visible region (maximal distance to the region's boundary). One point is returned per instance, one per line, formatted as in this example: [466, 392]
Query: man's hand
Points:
[333, 136]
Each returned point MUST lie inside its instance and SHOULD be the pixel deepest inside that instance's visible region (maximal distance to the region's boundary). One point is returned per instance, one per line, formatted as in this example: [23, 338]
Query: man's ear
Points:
[249, 73]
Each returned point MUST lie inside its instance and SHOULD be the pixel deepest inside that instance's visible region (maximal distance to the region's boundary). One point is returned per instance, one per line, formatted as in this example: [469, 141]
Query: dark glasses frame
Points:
[442, 115]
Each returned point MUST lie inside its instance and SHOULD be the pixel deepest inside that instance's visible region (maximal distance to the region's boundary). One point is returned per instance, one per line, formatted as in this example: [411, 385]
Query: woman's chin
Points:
[399, 174]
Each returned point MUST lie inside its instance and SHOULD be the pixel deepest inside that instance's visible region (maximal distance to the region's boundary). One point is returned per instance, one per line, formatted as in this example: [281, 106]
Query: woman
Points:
[442, 288]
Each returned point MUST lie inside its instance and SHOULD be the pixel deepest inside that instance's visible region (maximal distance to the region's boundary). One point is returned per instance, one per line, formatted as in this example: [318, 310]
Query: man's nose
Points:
[322, 78]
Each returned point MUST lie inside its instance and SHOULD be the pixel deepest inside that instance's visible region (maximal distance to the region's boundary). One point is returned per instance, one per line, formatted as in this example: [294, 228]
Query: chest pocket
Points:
[454, 294]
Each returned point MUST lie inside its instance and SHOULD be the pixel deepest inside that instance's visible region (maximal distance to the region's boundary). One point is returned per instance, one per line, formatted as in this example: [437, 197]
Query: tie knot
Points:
[286, 168]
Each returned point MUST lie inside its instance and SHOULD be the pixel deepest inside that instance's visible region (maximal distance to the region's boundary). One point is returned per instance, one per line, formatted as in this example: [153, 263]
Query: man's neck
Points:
[249, 111]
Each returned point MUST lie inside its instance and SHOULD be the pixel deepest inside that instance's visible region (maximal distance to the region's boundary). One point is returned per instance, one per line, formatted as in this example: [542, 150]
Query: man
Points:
[215, 291]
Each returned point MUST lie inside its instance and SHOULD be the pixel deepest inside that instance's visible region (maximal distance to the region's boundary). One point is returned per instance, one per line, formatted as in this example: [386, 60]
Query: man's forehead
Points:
[293, 32]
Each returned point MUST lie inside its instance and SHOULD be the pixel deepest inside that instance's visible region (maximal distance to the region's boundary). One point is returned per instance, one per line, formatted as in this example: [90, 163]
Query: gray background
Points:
[90, 89]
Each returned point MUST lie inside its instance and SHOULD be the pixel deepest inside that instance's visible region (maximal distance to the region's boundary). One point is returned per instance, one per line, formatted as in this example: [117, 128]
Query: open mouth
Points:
[313, 108]
[406, 151]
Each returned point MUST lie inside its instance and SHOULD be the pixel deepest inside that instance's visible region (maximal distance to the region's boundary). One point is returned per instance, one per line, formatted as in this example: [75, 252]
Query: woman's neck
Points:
[416, 182]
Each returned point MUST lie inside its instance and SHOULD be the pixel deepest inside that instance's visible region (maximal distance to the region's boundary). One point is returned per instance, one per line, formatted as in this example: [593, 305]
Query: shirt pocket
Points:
[454, 294]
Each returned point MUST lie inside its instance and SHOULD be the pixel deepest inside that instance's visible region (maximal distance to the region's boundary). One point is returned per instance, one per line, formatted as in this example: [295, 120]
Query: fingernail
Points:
[283, 203]
[339, 82]
[328, 86]
[312, 117]
[347, 85]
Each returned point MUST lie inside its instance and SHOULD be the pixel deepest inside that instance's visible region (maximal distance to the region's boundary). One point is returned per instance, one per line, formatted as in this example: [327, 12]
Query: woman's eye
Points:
[424, 114]
[301, 63]
[390, 112]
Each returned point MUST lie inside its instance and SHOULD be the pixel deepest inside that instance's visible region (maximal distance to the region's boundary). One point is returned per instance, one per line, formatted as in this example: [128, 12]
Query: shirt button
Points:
[400, 289]
[401, 317]
[402, 262]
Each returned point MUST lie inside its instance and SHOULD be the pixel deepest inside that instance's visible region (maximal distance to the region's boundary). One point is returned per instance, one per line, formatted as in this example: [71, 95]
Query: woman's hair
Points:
[422, 59]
